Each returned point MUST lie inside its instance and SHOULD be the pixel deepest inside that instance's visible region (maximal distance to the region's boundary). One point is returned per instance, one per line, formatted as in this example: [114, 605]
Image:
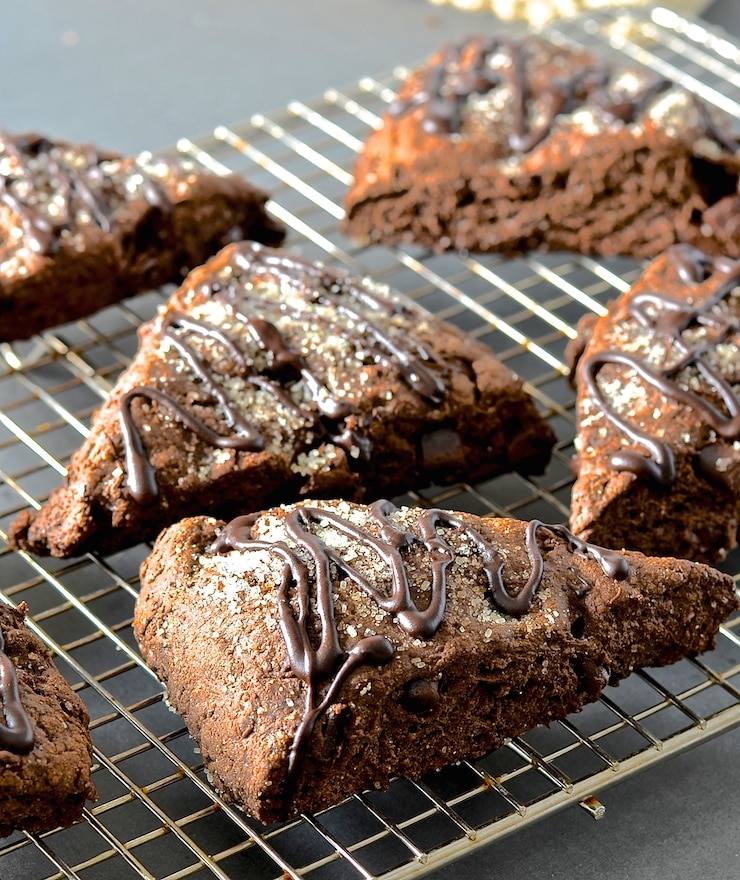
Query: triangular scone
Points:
[45, 745]
[658, 412]
[513, 144]
[81, 229]
[267, 378]
[323, 648]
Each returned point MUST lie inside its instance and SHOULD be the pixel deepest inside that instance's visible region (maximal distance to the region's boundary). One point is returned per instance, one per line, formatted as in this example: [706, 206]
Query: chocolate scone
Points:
[514, 144]
[318, 649]
[81, 229]
[45, 745]
[267, 378]
[658, 412]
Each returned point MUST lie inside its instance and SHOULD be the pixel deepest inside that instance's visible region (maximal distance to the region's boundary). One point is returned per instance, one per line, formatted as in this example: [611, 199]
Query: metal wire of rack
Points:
[157, 816]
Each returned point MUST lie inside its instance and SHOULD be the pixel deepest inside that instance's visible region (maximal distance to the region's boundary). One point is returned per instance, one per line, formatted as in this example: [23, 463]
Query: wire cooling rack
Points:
[157, 816]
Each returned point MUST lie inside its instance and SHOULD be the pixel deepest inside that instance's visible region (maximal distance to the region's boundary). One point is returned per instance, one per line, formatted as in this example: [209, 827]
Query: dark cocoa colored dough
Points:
[81, 229]
[658, 412]
[510, 145]
[44, 786]
[304, 650]
[268, 378]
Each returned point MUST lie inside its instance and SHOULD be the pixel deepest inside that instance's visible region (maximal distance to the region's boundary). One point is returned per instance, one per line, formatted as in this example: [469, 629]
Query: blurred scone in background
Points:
[539, 12]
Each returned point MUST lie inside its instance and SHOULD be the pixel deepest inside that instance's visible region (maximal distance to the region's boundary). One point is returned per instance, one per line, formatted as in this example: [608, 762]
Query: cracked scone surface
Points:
[321, 648]
[514, 144]
[267, 378]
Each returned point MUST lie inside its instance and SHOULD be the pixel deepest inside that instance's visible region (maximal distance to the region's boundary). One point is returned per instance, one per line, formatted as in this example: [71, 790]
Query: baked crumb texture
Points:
[267, 378]
[658, 412]
[45, 745]
[514, 144]
[81, 229]
[325, 647]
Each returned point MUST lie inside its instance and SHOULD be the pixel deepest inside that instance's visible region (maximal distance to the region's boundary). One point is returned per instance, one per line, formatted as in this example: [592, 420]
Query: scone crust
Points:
[688, 416]
[47, 786]
[211, 623]
[81, 229]
[423, 403]
[470, 172]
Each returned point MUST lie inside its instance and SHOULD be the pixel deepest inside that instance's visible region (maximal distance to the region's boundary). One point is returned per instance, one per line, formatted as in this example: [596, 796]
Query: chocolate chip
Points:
[441, 448]
[420, 695]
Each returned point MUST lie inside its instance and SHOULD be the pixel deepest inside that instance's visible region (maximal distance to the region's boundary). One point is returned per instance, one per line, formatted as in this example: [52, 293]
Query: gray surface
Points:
[151, 71]
[135, 75]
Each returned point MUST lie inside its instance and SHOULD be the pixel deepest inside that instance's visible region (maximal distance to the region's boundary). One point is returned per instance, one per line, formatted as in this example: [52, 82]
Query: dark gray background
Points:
[138, 74]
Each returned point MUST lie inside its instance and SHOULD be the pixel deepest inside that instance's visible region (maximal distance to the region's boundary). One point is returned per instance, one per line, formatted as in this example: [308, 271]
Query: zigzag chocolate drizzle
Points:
[667, 319]
[343, 293]
[324, 413]
[327, 664]
[16, 732]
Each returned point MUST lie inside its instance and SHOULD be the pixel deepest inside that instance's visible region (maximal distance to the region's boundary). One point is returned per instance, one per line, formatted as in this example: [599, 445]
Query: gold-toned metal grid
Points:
[157, 816]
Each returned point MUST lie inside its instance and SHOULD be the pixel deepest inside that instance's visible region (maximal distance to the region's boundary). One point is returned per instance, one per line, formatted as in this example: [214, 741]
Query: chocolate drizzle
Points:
[308, 624]
[447, 86]
[323, 292]
[36, 164]
[672, 323]
[348, 296]
[465, 70]
[16, 732]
